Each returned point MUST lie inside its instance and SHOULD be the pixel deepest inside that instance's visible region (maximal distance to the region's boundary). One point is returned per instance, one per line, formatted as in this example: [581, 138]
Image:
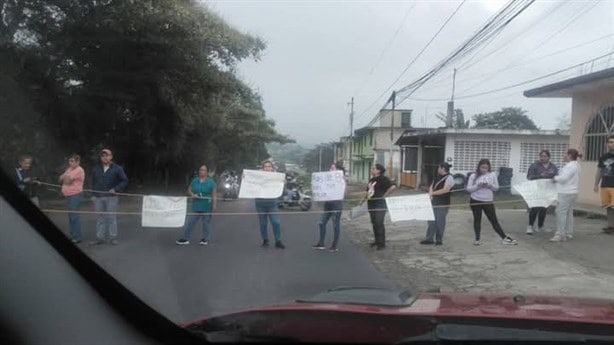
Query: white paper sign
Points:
[538, 193]
[328, 186]
[261, 184]
[410, 207]
[164, 211]
[358, 211]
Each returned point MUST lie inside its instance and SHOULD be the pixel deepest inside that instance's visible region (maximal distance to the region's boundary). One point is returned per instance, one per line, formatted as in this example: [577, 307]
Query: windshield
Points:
[217, 156]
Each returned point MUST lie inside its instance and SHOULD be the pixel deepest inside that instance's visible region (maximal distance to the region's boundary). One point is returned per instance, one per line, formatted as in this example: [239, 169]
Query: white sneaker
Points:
[509, 240]
[529, 230]
[476, 242]
[569, 237]
[544, 229]
[558, 238]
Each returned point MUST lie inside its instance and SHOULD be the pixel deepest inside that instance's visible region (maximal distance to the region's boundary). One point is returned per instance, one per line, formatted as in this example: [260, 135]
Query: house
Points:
[424, 149]
[374, 143]
[342, 152]
[592, 121]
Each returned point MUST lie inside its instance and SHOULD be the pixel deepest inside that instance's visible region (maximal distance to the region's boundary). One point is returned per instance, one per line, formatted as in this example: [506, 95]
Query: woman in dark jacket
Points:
[542, 169]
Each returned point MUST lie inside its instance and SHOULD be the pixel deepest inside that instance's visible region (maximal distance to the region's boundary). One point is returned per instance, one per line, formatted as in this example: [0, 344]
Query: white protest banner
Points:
[261, 184]
[164, 211]
[327, 186]
[410, 207]
[538, 193]
[358, 211]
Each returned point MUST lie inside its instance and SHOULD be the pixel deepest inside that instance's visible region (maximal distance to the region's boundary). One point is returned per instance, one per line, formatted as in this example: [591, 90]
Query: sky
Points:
[320, 54]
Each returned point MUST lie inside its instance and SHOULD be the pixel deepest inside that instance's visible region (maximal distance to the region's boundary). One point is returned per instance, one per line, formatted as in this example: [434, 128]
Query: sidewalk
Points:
[583, 266]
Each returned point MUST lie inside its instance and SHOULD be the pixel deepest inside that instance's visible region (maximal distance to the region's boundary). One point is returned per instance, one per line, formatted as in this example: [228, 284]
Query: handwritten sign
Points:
[327, 186]
[164, 211]
[410, 207]
[261, 184]
[538, 193]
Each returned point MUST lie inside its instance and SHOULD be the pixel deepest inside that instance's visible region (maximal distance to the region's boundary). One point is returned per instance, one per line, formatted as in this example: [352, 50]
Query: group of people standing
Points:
[107, 178]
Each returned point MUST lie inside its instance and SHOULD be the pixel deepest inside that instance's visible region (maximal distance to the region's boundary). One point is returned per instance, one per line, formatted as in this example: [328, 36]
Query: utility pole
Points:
[351, 143]
[320, 160]
[393, 97]
[450, 115]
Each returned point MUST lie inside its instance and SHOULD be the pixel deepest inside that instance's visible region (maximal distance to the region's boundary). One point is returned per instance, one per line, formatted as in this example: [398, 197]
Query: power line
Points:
[516, 84]
[501, 20]
[383, 52]
[414, 59]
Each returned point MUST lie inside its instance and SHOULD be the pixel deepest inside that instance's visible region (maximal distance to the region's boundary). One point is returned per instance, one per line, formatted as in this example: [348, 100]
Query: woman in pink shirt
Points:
[72, 188]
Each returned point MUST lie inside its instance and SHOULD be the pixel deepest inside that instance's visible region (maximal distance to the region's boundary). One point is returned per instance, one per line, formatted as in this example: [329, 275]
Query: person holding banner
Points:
[72, 188]
[481, 185]
[107, 179]
[203, 190]
[268, 210]
[440, 199]
[542, 169]
[567, 184]
[332, 209]
[378, 188]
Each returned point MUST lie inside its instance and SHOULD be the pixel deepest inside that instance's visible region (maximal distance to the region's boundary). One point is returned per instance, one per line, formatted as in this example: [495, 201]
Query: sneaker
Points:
[114, 242]
[608, 230]
[569, 237]
[333, 249]
[279, 245]
[204, 242]
[182, 241]
[75, 241]
[318, 246]
[427, 242]
[438, 243]
[509, 240]
[529, 230]
[477, 242]
[544, 229]
[558, 238]
[96, 242]
[265, 243]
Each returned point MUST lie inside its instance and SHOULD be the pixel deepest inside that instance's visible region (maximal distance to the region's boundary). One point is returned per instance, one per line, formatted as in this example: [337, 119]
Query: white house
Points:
[423, 150]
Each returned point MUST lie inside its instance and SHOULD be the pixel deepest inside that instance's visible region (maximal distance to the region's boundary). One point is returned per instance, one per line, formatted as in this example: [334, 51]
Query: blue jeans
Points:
[437, 227]
[74, 219]
[330, 210]
[106, 222]
[193, 219]
[268, 211]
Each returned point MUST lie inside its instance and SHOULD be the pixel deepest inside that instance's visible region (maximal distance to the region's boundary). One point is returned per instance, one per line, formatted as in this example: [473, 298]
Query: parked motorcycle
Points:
[294, 195]
[230, 185]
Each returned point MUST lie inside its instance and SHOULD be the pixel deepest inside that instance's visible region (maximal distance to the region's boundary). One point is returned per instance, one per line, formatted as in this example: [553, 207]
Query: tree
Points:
[154, 80]
[506, 118]
[458, 119]
[319, 158]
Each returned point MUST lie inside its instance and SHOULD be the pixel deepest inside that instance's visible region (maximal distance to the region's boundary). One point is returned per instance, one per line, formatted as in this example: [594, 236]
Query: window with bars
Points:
[529, 153]
[597, 131]
[467, 153]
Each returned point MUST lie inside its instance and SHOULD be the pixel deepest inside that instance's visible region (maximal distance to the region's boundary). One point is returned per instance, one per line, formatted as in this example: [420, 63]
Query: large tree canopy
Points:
[154, 80]
[506, 118]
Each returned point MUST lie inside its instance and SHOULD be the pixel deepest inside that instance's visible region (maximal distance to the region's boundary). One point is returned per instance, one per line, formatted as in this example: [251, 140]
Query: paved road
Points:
[233, 272]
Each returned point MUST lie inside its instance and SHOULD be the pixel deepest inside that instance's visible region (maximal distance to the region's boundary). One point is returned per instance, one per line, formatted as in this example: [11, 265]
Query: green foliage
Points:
[154, 80]
[458, 119]
[321, 154]
[506, 118]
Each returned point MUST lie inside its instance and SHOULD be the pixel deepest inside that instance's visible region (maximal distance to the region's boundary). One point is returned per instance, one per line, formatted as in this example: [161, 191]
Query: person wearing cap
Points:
[107, 179]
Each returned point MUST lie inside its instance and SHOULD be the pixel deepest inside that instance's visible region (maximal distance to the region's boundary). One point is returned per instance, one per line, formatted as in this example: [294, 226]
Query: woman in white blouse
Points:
[567, 185]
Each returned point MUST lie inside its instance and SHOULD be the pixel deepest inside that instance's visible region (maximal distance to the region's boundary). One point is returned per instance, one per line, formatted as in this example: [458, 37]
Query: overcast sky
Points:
[321, 53]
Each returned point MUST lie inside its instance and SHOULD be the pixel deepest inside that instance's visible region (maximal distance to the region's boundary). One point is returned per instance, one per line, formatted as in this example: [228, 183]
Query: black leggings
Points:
[489, 210]
[540, 214]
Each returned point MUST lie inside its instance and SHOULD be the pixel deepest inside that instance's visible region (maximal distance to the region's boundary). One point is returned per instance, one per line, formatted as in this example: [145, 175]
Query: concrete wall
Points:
[584, 106]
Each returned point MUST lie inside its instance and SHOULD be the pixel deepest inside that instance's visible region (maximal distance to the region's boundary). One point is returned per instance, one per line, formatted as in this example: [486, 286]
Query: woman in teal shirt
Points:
[204, 193]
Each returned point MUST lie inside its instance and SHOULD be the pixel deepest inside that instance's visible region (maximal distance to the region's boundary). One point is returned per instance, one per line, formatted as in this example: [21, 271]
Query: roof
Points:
[413, 133]
[566, 88]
